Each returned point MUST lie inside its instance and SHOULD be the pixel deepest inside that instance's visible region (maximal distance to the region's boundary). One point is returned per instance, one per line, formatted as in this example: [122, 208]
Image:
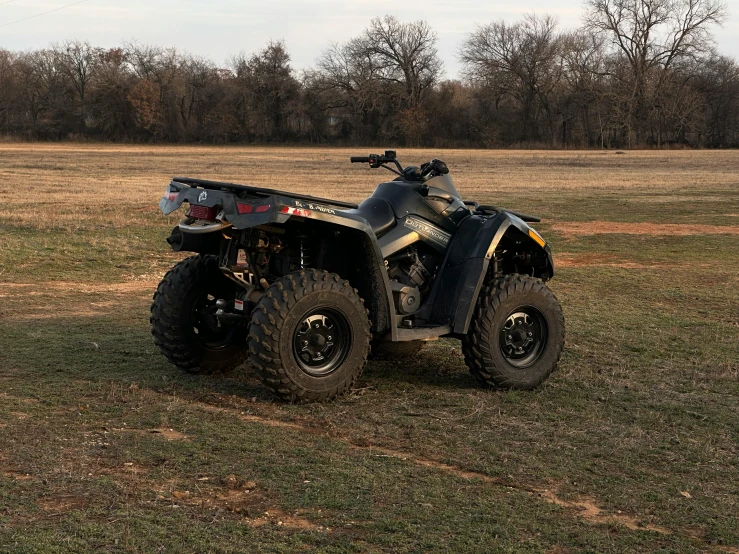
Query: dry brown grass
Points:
[75, 186]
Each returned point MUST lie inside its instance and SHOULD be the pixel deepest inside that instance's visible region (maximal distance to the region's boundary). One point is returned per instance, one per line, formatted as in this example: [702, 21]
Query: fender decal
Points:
[428, 231]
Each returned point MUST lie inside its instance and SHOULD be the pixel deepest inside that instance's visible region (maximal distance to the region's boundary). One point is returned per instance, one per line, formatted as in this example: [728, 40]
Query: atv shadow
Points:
[440, 364]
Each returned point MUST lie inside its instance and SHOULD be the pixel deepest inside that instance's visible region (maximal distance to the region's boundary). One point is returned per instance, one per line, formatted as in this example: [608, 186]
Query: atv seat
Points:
[378, 213]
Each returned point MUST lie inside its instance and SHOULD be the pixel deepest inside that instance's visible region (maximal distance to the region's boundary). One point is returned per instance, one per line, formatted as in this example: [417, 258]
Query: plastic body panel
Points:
[459, 281]
[406, 199]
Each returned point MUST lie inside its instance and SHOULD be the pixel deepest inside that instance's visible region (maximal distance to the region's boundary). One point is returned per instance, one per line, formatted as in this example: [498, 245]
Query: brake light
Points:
[171, 195]
[248, 208]
[202, 212]
[295, 211]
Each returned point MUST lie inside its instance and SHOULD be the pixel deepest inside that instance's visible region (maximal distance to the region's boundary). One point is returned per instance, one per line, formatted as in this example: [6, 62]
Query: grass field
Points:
[632, 446]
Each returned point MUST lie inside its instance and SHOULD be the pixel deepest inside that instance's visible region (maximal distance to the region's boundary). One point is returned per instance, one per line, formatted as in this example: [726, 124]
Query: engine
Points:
[411, 274]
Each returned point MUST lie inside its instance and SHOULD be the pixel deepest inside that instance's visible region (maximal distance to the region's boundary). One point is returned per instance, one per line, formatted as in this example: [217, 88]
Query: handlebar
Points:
[379, 160]
[434, 165]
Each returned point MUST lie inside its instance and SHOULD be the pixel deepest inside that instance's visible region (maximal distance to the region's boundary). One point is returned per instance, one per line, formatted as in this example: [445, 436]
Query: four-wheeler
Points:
[308, 288]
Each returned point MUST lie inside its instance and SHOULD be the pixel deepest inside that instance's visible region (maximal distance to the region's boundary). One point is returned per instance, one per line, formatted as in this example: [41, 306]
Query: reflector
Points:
[295, 211]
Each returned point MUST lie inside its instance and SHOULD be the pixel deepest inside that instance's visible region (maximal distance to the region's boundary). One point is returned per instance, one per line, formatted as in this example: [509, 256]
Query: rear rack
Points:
[258, 190]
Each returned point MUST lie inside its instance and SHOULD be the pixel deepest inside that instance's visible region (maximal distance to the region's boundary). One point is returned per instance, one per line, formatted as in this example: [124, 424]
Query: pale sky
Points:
[217, 29]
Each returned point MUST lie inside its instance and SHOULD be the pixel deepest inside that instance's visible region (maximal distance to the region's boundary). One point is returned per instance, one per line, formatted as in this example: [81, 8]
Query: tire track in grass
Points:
[586, 508]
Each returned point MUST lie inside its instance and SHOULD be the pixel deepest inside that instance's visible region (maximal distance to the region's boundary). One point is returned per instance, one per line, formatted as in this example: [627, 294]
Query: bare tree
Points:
[8, 88]
[79, 60]
[349, 79]
[267, 91]
[111, 109]
[42, 89]
[718, 82]
[521, 61]
[583, 60]
[405, 53]
[652, 36]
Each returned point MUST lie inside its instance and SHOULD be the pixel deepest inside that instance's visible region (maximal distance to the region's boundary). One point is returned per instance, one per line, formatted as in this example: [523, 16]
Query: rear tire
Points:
[516, 335]
[183, 322]
[309, 336]
[388, 350]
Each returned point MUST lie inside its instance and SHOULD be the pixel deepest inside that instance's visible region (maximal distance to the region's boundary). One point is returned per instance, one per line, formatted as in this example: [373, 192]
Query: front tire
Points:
[183, 318]
[309, 336]
[516, 335]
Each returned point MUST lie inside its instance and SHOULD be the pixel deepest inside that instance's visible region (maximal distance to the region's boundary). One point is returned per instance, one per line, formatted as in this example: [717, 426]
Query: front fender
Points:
[468, 259]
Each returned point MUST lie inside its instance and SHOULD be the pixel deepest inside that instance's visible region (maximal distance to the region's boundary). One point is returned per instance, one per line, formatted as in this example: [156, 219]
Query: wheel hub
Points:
[321, 341]
[523, 336]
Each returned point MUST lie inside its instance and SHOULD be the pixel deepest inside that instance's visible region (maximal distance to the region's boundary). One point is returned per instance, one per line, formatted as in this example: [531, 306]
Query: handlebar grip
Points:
[359, 159]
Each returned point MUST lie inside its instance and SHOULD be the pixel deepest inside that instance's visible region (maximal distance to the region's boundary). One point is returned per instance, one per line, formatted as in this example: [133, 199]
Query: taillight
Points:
[171, 195]
[248, 208]
[203, 212]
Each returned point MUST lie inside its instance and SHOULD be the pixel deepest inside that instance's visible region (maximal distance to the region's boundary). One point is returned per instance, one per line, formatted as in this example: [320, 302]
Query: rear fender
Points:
[357, 254]
[480, 241]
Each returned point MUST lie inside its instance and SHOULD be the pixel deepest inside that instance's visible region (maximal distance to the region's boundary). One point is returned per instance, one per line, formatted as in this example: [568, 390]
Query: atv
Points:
[308, 288]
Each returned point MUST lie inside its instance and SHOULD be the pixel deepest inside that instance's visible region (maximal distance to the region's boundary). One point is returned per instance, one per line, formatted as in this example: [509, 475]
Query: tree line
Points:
[637, 73]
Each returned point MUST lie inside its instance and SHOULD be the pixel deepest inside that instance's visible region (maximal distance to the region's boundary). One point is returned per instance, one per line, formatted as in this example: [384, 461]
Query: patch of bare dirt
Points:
[587, 508]
[79, 312]
[243, 498]
[53, 299]
[589, 511]
[62, 504]
[134, 469]
[282, 519]
[7, 471]
[669, 229]
[168, 434]
[245, 501]
[17, 475]
[566, 259]
[85, 288]
[21, 399]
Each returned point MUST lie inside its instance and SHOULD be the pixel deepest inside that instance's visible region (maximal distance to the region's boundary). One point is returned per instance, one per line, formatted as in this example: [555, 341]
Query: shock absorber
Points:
[302, 256]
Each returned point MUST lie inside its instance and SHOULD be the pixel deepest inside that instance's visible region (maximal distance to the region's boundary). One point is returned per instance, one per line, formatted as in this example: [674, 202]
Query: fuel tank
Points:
[440, 205]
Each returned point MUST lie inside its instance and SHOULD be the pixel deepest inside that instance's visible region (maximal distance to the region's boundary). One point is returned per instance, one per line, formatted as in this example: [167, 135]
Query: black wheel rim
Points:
[523, 336]
[206, 329]
[321, 341]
